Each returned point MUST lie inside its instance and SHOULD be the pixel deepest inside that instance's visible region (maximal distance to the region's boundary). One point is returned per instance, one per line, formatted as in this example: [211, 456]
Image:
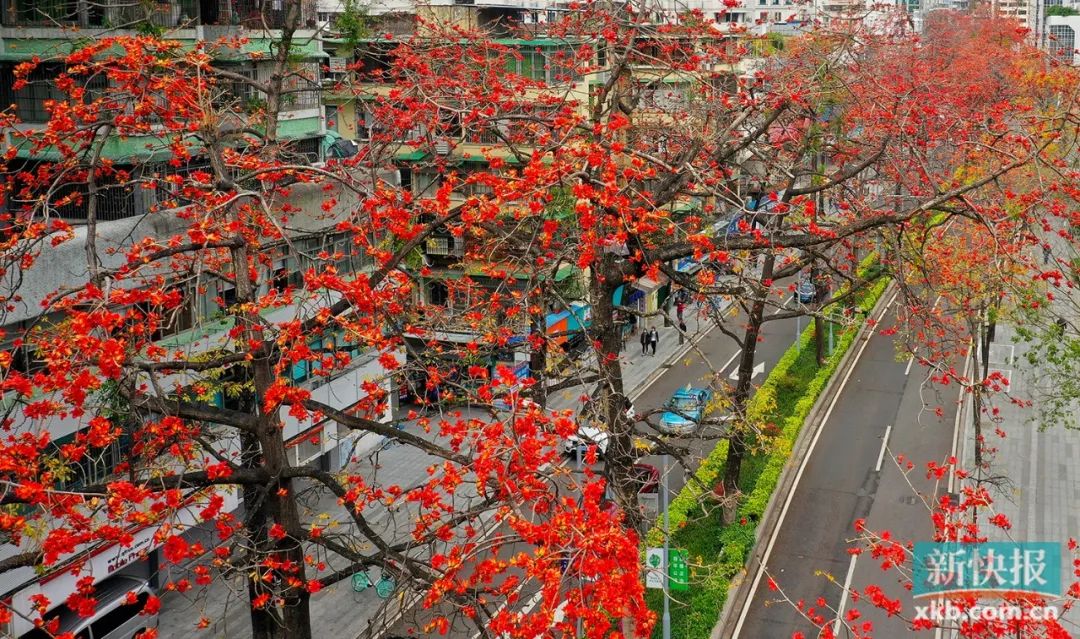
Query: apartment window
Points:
[551, 66]
[32, 99]
[95, 466]
[170, 321]
[25, 358]
[332, 118]
[236, 92]
[1062, 44]
[227, 295]
[425, 183]
[300, 90]
[439, 245]
[438, 294]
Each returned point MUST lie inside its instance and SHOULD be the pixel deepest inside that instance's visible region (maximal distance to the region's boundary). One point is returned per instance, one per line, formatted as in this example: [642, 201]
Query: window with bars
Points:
[551, 66]
[300, 89]
[1062, 43]
[234, 92]
[31, 101]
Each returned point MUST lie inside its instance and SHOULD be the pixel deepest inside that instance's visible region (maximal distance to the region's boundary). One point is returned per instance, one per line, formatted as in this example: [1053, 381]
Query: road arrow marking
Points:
[758, 370]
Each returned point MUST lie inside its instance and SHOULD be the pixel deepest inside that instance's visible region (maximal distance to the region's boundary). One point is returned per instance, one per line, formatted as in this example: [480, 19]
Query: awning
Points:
[648, 285]
[688, 265]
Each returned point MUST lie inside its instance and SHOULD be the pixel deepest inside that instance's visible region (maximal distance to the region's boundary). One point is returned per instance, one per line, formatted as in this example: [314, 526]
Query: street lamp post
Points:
[667, 534]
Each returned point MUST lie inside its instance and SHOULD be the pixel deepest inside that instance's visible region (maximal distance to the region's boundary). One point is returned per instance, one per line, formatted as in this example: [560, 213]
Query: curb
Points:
[739, 591]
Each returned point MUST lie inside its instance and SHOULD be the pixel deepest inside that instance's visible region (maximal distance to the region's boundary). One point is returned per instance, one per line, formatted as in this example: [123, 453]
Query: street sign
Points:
[650, 503]
[678, 569]
[654, 561]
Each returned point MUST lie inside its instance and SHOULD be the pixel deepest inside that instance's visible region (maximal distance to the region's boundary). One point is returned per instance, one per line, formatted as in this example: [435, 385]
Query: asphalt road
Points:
[842, 481]
[714, 352]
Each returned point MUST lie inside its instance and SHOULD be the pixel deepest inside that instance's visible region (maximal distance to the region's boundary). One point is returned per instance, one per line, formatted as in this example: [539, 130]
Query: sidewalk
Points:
[338, 611]
[1040, 482]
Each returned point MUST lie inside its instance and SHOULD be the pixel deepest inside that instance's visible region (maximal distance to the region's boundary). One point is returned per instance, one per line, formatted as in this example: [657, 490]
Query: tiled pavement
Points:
[1037, 479]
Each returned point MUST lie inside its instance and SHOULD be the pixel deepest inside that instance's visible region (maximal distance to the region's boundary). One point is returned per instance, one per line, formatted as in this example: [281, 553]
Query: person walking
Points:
[644, 342]
[680, 307]
[654, 339]
[1046, 253]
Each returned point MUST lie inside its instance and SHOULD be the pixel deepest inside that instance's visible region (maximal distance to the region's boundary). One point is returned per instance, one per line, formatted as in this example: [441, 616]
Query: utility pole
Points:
[667, 546]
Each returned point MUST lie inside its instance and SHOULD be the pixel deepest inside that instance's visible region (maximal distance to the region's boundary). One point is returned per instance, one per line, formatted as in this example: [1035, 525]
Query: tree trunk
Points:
[738, 442]
[538, 350]
[611, 397]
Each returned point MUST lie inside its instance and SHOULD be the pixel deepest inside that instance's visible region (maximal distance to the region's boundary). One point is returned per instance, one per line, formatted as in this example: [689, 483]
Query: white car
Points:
[585, 437]
[588, 435]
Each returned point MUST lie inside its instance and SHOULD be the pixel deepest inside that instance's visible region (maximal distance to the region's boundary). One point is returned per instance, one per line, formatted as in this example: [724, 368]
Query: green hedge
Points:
[718, 553]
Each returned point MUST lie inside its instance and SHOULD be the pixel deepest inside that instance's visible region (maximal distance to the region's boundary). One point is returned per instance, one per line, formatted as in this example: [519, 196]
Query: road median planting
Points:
[718, 553]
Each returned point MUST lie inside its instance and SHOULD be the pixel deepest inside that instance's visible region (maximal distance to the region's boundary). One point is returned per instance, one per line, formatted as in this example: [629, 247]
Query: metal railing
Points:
[89, 13]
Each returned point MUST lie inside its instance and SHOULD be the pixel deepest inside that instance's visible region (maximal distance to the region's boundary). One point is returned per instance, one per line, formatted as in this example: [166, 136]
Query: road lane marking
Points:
[798, 476]
[843, 600]
[956, 423]
[728, 363]
[912, 358]
[884, 446]
[783, 307]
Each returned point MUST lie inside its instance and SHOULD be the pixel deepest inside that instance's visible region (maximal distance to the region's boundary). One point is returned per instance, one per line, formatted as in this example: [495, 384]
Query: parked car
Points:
[118, 614]
[684, 411]
[585, 437]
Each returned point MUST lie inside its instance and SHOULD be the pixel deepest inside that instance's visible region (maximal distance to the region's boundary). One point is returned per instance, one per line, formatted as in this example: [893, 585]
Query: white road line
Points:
[956, 424]
[911, 360]
[529, 605]
[783, 307]
[728, 363]
[844, 597]
[798, 476]
[884, 446]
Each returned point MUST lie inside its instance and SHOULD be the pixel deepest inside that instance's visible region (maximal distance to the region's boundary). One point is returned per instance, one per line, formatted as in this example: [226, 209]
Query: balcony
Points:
[108, 14]
[444, 246]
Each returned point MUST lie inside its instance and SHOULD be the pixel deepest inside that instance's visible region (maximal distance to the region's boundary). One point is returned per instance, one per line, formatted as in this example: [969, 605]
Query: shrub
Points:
[718, 553]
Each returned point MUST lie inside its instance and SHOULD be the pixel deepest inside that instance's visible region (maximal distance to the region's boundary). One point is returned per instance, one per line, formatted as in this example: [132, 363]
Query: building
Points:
[45, 28]
[1061, 36]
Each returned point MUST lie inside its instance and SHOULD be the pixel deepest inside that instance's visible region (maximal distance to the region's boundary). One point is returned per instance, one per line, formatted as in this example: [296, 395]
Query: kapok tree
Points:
[204, 421]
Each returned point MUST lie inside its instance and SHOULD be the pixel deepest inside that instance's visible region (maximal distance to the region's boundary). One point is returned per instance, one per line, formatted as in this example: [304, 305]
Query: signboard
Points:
[650, 503]
[678, 569]
[338, 65]
[654, 564]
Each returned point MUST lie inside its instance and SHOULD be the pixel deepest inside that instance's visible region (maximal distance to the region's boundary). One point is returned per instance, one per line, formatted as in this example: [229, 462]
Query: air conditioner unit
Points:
[442, 147]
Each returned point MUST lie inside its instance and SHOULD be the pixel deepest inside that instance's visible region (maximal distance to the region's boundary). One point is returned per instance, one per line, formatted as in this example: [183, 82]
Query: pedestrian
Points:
[644, 342]
[654, 339]
[1046, 253]
[679, 308]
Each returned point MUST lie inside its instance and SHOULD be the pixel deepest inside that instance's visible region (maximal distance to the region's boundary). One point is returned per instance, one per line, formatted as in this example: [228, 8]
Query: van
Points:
[114, 617]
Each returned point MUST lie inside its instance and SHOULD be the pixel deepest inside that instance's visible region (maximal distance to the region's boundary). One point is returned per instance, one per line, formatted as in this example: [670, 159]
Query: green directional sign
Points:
[678, 570]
